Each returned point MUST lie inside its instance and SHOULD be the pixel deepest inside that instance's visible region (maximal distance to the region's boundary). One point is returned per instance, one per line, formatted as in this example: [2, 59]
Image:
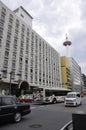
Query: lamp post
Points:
[10, 80]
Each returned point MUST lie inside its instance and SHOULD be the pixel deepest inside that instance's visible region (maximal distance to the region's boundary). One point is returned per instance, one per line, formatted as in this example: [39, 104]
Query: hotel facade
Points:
[26, 59]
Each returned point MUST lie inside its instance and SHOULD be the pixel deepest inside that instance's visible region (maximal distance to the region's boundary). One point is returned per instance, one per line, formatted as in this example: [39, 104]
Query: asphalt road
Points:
[45, 117]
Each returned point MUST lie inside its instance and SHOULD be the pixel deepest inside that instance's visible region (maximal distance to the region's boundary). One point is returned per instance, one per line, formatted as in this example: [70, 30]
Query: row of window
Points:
[41, 55]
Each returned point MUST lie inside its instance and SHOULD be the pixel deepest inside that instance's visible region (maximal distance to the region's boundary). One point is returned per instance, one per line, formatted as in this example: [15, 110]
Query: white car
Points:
[73, 99]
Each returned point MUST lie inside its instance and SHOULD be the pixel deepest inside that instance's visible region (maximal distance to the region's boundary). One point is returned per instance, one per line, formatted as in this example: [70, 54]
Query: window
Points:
[6, 62]
[22, 15]
[1, 23]
[9, 28]
[11, 16]
[3, 11]
[6, 53]
[6, 101]
[1, 32]
[13, 65]
[7, 44]
[20, 60]
[8, 36]
[2, 17]
[10, 20]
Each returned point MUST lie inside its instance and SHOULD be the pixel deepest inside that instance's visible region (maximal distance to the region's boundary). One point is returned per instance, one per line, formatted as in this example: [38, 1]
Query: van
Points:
[73, 99]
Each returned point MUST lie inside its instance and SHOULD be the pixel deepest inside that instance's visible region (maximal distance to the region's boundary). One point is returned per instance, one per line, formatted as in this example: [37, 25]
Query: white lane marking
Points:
[33, 107]
[36, 107]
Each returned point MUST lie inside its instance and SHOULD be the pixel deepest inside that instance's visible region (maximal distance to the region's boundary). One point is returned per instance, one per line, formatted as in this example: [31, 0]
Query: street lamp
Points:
[10, 79]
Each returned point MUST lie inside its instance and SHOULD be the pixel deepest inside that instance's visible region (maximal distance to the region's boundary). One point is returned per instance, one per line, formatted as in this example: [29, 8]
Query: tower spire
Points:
[66, 37]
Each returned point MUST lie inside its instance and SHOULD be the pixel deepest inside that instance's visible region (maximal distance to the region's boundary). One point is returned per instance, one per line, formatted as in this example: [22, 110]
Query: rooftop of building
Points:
[16, 10]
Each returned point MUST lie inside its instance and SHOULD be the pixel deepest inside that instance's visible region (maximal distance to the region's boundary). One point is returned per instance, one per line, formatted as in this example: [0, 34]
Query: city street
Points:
[43, 117]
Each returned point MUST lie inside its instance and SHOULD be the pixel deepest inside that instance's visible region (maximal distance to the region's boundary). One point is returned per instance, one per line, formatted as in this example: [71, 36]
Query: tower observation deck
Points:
[67, 44]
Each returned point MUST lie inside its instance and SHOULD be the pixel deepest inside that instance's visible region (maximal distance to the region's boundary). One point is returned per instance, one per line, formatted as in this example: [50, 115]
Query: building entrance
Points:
[21, 88]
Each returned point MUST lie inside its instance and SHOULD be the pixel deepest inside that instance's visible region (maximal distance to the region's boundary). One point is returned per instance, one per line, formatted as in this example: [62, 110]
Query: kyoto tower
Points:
[68, 72]
[67, 44]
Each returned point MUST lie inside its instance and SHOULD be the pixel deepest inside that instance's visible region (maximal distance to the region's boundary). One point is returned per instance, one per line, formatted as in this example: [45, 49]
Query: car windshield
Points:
[70, 95]
[22, 96]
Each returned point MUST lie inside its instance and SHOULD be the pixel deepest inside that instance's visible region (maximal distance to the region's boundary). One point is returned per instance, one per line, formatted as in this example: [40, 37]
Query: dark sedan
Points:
[11, 108]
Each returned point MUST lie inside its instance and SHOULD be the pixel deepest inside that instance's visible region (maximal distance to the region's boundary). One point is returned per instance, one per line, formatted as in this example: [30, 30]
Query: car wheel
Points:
[54, 100]
[17, 117]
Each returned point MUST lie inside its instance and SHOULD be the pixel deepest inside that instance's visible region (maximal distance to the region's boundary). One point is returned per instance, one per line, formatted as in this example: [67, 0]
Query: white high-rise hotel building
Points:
[24, 52]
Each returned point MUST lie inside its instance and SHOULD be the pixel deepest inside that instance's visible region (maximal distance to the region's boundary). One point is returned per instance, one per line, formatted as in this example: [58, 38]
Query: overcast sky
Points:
[52, 19]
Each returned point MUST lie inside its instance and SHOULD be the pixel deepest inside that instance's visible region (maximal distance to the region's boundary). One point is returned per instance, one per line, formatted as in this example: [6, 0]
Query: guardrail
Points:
[68, 126]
